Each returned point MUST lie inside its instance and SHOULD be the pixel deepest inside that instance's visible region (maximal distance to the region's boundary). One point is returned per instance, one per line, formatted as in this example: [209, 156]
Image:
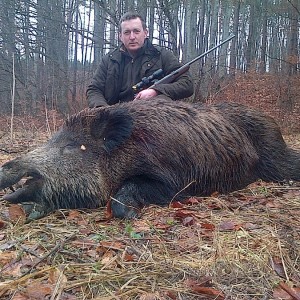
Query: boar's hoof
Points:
[128, 201]
[123, 211]
[34, 210]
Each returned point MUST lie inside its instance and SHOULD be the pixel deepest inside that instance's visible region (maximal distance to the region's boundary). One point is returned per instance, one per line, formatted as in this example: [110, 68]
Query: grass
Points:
[245, 245]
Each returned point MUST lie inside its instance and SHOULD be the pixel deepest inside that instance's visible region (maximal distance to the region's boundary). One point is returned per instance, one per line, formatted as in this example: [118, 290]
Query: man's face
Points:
[133, 35]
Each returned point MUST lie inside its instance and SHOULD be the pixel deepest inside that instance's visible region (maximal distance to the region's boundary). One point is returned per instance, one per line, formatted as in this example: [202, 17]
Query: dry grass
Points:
[239, 246]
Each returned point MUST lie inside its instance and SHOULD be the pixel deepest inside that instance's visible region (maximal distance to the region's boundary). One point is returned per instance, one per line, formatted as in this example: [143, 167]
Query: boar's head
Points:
[66, 171]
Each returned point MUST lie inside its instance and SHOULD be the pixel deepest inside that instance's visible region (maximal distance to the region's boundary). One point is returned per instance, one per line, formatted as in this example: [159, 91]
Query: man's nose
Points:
[132, 35]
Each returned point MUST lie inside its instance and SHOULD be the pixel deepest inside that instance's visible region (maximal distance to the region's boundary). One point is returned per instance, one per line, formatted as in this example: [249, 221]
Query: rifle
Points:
[173, 75]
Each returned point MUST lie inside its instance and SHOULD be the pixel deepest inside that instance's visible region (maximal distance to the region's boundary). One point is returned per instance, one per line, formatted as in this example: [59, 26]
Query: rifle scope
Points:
[146, 81]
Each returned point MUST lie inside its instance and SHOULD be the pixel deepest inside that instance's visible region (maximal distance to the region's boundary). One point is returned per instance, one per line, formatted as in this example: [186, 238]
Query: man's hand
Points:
[146, 94]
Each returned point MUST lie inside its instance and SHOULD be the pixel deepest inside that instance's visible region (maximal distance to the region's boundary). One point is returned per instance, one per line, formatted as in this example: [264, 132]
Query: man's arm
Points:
[96, 88]
[183, 86]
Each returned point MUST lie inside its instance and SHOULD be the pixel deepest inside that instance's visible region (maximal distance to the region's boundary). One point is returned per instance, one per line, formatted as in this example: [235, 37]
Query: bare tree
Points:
[58, 44]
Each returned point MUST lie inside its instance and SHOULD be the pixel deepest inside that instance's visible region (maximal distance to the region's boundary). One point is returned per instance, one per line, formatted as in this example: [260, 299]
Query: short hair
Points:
[130, 15]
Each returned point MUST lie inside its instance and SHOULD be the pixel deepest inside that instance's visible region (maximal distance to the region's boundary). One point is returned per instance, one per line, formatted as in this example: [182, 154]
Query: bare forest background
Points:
[50, 49]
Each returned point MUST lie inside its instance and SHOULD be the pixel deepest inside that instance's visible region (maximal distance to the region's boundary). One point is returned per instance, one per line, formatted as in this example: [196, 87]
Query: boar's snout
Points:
[25, 182]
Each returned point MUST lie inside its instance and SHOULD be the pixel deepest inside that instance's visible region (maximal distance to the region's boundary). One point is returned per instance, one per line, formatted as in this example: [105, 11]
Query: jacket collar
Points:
[148, 48]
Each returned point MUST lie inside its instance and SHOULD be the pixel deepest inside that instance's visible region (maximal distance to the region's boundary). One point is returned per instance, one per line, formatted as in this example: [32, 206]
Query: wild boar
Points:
[149, 152]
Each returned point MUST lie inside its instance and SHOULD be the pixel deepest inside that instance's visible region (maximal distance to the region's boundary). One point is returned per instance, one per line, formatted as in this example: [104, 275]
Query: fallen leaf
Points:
[84, 243]
[188, 221]
[250, 226]
[74, 214]
[2, 224]
[277, 266]
[280, 294]
[112, 245]
[229, 225]
[141, 225]
[186, 217]
[192, 201]
[85, 231]
[92, 253]
[149, 296]
[183, 213]
[215, 194]
[171, 295]
[16, 213]
[8, 245]
[292, 291]
[6, 257]
[108, 259]
[19, 296]
[12, 269]
[37, 291]
[273, 204]
[57, 277]
[128, 257]
[208, 226]
[204, 290]
[176, 204]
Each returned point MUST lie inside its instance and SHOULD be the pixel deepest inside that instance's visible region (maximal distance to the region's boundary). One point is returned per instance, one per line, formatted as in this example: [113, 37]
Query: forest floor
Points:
[245, 245]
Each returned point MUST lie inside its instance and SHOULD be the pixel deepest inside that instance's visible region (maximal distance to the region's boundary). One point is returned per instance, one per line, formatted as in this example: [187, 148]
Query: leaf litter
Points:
[245, 245]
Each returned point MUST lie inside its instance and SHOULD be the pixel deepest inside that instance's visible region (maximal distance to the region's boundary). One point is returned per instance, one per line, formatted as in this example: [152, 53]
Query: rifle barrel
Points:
[212, 49]
[170, 77]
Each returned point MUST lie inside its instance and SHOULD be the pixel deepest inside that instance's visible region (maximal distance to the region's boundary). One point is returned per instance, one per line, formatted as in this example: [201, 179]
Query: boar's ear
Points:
[112, 126]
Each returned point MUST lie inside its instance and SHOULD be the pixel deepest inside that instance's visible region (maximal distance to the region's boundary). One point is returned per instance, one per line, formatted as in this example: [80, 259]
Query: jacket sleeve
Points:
[96, 89]
[183, 86]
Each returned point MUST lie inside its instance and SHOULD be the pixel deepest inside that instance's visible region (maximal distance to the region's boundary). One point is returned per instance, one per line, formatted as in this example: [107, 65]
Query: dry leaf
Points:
[2, 224]
[112, 245]
[176, 204]
[294, 292]
[150, 296]
[192, 201]
[13, 269]
[208, 226]
[188, 221]
[229, 225]
[16, 213]
[108, 258]
[37, 291]
[6, 257]
[19, 296]
[198, 288]
[277, 266]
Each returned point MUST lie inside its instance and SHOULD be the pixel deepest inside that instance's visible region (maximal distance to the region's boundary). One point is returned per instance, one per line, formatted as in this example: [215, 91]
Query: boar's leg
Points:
[137, 193]
[35, 210]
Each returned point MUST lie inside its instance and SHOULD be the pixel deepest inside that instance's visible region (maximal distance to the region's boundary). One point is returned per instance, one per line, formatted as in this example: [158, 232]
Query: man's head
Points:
[132, 31]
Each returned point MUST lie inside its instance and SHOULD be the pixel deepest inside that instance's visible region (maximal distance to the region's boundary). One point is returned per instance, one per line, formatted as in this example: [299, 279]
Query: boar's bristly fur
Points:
[150, 152]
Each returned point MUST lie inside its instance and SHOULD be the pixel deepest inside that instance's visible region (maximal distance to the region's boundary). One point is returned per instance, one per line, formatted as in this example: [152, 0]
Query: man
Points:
[135, 59]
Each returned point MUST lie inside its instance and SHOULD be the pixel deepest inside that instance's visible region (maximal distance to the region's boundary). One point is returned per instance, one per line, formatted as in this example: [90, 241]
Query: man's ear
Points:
[113, 127]
[146, 33]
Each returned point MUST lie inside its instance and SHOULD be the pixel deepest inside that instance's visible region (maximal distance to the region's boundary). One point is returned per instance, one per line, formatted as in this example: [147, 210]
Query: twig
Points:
[59, 286]
[282, 260]
[181, 191]
[57, 248]
[10, 152]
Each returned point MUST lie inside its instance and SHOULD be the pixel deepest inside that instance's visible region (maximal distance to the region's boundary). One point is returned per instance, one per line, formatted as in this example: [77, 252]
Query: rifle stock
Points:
[172, 76]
